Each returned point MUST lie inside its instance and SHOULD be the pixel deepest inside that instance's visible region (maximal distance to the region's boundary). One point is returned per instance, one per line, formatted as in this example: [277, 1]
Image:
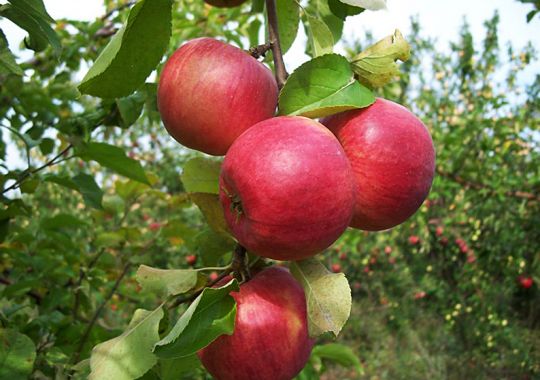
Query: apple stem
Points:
[273, 34]
[260, 50]
[240, 264]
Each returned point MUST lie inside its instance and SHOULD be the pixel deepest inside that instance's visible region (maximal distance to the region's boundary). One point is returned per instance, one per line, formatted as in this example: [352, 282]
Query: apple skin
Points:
[225, 3]
[393, 161]
[191, 260]
[270, 339]
[286, 188]
[210, 92]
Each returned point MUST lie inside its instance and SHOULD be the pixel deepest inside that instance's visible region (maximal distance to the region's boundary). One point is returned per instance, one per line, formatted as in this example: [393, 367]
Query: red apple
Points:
[343, 256]
[526, 282]
[213, 276]
[336, 268]
[439, 231]
[225, 3]
[388, 250]
[154, 226]
[210, 92]
[270, 339]
[286, 188]
[393, 161]
[413, 240]
[191, 260]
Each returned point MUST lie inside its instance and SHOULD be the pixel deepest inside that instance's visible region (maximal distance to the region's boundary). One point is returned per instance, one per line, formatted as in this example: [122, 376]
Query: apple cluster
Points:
[289, 187]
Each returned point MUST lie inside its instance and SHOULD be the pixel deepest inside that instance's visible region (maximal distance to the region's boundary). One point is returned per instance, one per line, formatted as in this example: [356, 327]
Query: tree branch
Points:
[117, 9]
[273, 34]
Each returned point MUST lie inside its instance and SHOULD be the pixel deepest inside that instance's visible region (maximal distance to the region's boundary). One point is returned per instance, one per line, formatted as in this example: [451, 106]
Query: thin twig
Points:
[27, 173]
[117, 9]
[77, 353]
[273, 34]
[260, 50]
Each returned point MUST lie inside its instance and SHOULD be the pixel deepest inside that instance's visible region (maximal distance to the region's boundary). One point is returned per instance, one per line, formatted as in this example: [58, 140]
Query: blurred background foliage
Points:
[440, 296]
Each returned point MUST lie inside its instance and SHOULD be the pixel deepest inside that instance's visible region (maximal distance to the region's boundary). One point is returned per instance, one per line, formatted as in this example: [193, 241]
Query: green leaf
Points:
[288, 14]
[212, 314]
[129, 355]
[8, 65]
[62, 221]
[212, 210]
[39, 31]
[34, 7]
[328, 296]
[46, 146]
[115, 158]
[376, 66]
[372, 5]
[17, 355]
[320, 37]
[133, 53]
[321, 9]
[343, 10]
[89, 189]
[130, 108]
[110, 238]
[166, 282]
[201, 175]
[173, 369]
[212, 246]
[340, 354]
[323, 86]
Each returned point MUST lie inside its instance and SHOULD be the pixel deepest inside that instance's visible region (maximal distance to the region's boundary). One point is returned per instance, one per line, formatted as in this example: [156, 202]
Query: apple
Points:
[154, 226]
[286, 188]
[210, 92]
[225, 3]
[343, 256]
[270, 339]
[439, 231]
[213, 276]
[393, 161]
[191, 260]
[526, 282]
[336, 268]
[388, 250]
[414, 240]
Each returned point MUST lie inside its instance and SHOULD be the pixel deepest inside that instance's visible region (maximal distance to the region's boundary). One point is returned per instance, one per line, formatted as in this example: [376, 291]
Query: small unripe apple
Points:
[225, 3]
[210, 92]
[336, 268]
[270, 339]
[393, 160]
[191, 260]
[286, 188]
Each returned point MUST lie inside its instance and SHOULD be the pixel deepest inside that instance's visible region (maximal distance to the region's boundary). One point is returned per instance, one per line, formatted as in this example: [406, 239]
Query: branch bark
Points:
[273, 34]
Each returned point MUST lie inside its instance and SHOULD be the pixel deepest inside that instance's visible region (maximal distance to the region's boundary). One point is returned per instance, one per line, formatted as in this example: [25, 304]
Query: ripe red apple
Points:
[439, 231]
[526, 282]
[393, 161]
[154, 226]
[191, 260]
[413, 240]
[343, 256]
[270, 339]
[210, 92]
[286, 188]
[336, 268]
[388, 250]
[225, 3]
[213, 276]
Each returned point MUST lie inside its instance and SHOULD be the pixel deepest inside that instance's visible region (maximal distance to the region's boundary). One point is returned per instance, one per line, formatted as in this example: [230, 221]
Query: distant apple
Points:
[443, 241]
[393, 161]
[270, 339]
[154, 226]
[210, 92]
[213, 276]
[388, 250]
[439, 231]
[191, 260]
[286, 188]
[526, 282]
[414, 240]
[336, 268]
[343, 256]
